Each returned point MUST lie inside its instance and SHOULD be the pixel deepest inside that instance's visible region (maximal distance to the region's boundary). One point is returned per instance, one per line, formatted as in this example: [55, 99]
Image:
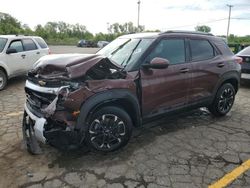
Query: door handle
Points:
[184, 70]
[38, 53]
[220, 65]
[23, 56]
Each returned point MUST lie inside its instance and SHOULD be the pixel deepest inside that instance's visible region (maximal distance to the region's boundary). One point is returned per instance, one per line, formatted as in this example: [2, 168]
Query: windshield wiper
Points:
[119, 47]
[132, 52]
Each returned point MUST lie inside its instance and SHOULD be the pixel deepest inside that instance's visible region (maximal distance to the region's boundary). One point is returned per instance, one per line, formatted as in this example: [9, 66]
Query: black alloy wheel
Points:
[109, 129]
[223, 101]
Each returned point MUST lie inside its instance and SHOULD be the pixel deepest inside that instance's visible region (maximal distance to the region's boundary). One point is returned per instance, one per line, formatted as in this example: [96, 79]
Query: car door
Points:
[16, 61]
[207, 65]
[32, 53]
[166, 89]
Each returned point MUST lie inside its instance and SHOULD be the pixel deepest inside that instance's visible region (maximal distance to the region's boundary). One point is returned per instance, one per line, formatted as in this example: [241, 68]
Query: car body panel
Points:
[205, 75]
[164, 89]
[16, 63]
[67, 66]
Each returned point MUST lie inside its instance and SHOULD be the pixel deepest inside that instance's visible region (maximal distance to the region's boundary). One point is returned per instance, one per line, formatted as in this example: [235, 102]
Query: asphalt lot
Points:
[188, 151]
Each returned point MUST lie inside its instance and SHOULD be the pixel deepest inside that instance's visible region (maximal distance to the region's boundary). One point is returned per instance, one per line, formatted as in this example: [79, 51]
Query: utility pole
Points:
[229, 17]
[108, 27]
[138, 21]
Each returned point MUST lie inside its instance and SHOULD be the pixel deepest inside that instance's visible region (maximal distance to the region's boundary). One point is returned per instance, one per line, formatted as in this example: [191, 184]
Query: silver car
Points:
[18, 54]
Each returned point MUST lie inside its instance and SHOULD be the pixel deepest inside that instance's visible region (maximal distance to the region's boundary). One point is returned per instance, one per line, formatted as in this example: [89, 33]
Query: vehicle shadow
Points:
[77, 159]
[245, 83]
[13, 82]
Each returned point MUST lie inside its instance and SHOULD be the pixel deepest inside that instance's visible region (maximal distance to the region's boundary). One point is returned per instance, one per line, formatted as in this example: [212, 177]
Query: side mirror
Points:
[11, 51]
[157, 63]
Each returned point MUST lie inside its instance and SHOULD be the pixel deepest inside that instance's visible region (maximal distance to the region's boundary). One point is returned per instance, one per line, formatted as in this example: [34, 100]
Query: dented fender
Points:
[101, 98]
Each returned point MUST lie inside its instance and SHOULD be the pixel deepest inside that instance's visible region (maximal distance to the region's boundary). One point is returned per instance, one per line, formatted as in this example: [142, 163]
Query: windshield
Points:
[125, 51]
[2, 43]
[245, 51]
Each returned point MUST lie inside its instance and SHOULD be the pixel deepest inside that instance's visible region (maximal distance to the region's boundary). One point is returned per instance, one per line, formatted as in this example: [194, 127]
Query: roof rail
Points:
[187, 32]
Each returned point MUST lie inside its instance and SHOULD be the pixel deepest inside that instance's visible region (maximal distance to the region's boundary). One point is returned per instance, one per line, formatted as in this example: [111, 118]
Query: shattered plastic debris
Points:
[49, 110]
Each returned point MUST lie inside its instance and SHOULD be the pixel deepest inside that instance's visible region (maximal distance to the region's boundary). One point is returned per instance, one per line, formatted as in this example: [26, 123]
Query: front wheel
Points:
[109, 129]
[223, 101]
[3, 80]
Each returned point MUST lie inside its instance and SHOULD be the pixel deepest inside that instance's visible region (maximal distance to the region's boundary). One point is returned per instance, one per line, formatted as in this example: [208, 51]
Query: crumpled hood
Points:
[68, 66]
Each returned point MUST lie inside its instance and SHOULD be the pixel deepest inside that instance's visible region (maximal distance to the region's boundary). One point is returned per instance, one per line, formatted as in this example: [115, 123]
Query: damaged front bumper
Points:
[38, 124]
[41, 122]
[33, 128]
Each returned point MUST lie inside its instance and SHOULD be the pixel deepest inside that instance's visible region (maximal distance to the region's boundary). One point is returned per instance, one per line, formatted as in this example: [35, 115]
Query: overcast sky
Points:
[155, 14]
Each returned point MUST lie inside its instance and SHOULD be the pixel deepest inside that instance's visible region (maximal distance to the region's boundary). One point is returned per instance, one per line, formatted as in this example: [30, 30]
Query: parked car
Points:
[98, 99]
[18, 54]
[101, 44]
[245, 65]
[86, 43]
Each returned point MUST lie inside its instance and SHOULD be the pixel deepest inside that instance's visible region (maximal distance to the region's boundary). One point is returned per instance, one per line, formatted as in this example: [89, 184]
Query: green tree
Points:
[40, 31]
[127, 27]
[9, 24]
[27, 30]
[203, 28]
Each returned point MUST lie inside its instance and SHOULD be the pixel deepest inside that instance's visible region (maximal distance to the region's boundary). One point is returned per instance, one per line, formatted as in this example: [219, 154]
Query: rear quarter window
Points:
[41, 42]
[223, 47]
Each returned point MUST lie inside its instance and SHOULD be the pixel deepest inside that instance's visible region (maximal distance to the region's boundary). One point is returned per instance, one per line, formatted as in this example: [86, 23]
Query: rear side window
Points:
[17, 44]
[41, 42]
[201, 50]
[170, 49]
[2, 44]
[29, 44]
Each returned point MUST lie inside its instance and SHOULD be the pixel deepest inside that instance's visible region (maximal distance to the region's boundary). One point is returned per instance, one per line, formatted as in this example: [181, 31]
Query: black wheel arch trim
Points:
[99, 99]
[235, 75]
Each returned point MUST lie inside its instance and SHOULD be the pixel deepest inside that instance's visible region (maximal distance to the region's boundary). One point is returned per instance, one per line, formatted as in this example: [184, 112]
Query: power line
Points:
[206, 22]
[240, 18]
[194, 24]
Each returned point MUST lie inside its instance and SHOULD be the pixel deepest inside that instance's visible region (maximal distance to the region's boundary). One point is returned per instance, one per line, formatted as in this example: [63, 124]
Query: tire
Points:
[223, 101]
[3, 80]
[109, 129]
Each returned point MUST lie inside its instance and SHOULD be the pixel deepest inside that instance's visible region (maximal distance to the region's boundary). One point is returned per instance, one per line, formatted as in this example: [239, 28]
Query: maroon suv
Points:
[98, 99]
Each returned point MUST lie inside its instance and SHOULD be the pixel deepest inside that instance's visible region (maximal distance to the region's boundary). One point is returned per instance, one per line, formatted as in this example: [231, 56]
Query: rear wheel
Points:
[109, 129]
[3, 80]
[223, 101]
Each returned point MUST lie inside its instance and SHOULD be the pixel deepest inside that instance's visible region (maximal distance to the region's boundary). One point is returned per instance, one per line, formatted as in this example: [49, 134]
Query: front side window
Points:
[2, 44]
[29, 44]
[201, 50]
[17, 45]
[171, 49]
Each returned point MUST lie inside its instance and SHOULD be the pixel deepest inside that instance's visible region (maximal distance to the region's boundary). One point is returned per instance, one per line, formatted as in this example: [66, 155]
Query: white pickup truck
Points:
[18, 53]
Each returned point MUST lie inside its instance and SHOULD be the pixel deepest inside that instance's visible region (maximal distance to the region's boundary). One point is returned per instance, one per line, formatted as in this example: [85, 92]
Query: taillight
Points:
[238, 60]
[49, 51]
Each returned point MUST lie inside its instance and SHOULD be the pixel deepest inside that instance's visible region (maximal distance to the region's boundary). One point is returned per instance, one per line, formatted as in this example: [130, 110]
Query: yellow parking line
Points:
[231, 176]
